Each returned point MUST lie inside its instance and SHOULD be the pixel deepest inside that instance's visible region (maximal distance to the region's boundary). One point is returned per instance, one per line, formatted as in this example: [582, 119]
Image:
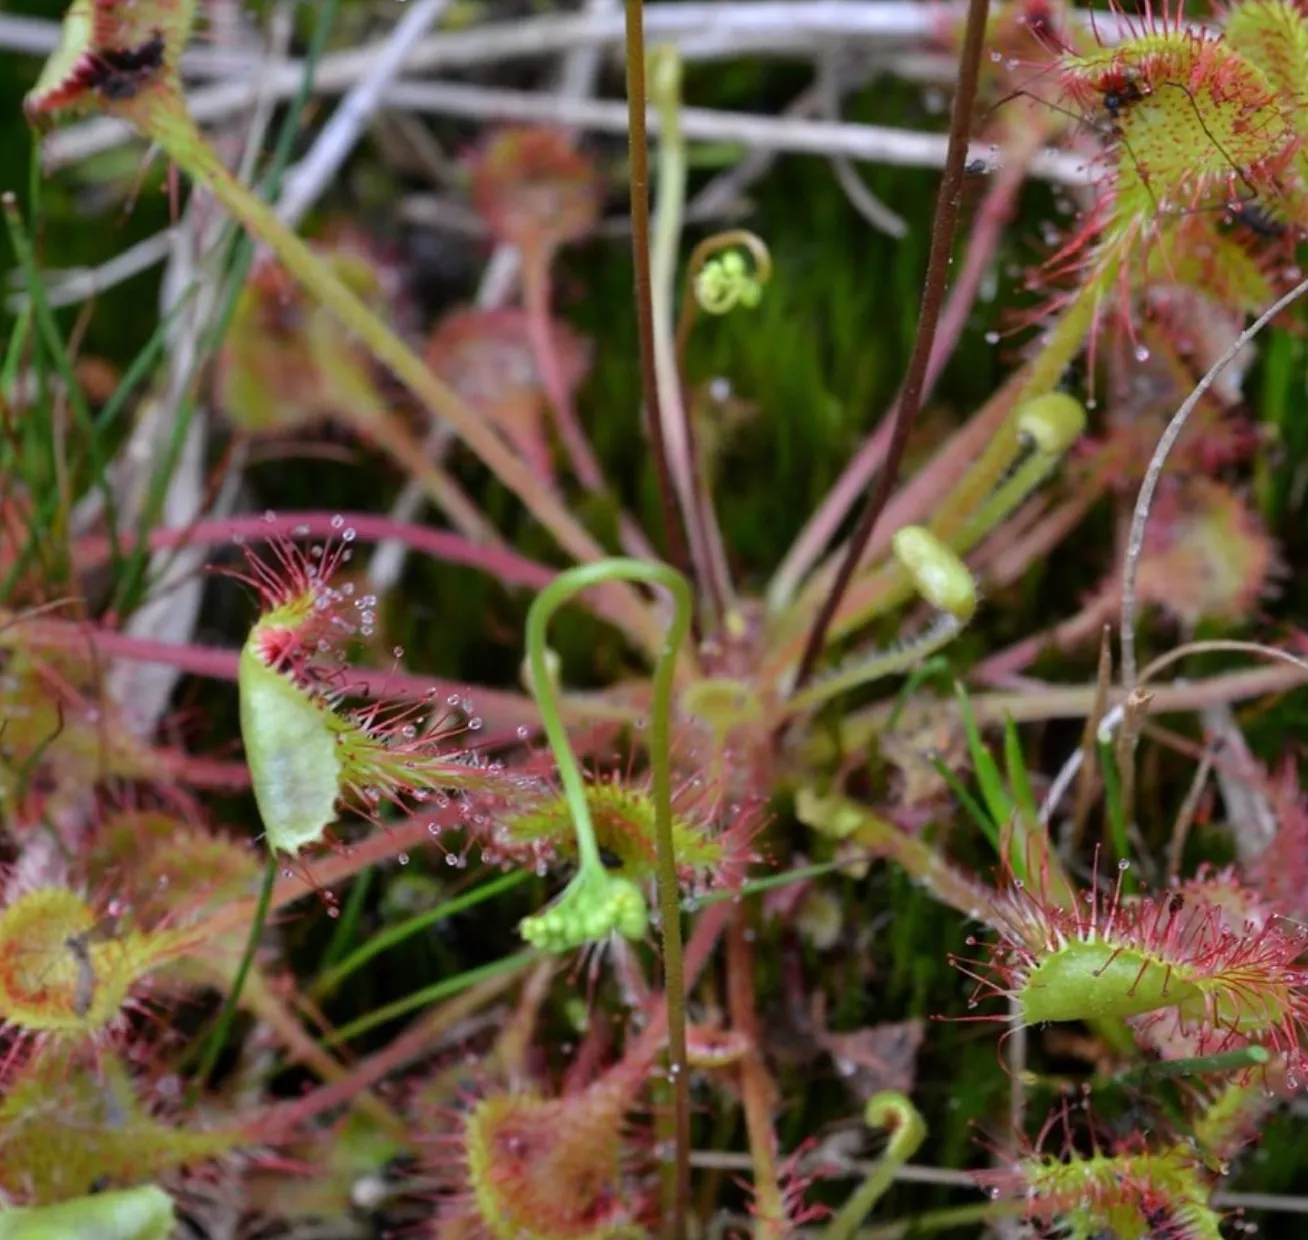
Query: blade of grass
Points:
[989, 828]
[1115, 812]
[431, 994]
[343, 934]
[393, 935]
[757, 885]
[936, 665]
[14, 352]
[1019, 778]
[1201, 1065]
[52, 338]
[988, 777]
[240, 249]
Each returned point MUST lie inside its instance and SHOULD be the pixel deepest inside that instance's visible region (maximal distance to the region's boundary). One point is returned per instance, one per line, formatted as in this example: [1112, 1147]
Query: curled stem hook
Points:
[596, 902]
[734, 284]
[907, 1132]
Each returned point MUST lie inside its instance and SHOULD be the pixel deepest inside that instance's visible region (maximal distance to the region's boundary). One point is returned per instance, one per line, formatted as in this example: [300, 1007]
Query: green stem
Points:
[934, 284]
[168, 123]
[907, 1132]
[591, 867]
[218, 1039]
[704, 537]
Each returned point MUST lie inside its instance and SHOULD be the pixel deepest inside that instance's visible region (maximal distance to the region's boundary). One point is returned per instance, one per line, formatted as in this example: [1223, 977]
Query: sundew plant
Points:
[451, 782]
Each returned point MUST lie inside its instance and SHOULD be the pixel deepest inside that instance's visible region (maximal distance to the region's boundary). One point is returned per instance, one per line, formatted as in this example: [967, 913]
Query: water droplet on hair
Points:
[337, 521]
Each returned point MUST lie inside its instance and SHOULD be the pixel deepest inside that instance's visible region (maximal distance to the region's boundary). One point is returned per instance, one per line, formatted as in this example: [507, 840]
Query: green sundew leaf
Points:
[144, 1213]
[1090, 981]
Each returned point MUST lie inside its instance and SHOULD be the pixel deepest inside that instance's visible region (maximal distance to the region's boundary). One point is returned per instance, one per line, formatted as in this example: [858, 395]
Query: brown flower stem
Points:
[992, 218]
[933, 295]
[638, 160]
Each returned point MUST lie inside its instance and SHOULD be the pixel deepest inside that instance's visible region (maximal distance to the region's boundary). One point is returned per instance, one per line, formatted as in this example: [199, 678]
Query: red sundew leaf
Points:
[552, 1166]
[487, 357]
[535, 190]
[1207, 555]
[62, 740]
[1280, 873]
[111, 52]
[287, 362]
[167, 868]
[71, 1115]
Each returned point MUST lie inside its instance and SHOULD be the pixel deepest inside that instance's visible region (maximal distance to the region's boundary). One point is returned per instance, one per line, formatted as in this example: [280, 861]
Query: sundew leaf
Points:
[144, 1213]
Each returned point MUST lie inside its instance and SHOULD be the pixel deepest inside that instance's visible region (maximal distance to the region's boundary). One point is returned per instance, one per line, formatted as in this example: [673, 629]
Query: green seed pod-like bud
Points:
[939, 575]
[1053, 422]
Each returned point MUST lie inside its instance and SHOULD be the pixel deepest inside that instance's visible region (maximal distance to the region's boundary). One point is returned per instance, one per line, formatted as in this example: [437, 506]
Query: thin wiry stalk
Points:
[638, 162]
[933, 295]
